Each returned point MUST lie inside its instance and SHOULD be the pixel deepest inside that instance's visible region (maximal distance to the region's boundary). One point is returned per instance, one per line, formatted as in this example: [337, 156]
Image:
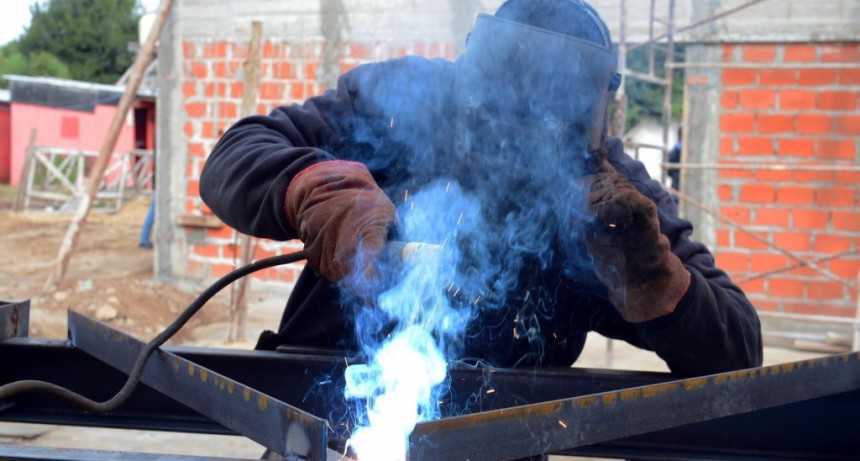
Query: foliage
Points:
[644, 99]
[80, 39]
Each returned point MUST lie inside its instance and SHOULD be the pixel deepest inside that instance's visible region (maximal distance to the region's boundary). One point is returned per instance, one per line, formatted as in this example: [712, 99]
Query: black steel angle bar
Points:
[260, 417]
[568, 423]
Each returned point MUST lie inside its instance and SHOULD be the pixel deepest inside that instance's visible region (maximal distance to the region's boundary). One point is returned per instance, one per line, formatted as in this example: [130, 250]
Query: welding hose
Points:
[18, 387]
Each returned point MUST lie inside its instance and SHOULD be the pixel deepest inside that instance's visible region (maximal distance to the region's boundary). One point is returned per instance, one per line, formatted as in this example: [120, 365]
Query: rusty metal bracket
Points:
[14, 319]
[272, 423]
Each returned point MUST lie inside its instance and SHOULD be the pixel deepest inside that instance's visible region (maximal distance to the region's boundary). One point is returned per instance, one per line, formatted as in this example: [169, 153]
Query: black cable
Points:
[31, 385]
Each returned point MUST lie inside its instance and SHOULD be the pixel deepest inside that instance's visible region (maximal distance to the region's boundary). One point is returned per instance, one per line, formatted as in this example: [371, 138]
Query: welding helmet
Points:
[519, 88]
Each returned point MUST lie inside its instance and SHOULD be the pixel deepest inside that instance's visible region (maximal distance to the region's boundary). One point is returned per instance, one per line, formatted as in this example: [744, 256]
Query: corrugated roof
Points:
[5, 95]
[76, 84]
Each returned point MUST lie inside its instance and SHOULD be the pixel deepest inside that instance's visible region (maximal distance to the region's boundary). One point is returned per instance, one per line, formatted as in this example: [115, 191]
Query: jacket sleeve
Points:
[714, 328]
[245, 177]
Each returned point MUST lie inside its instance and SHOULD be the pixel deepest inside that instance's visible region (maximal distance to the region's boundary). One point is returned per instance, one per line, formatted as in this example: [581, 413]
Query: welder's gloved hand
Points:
[342, 217]
[631, 257]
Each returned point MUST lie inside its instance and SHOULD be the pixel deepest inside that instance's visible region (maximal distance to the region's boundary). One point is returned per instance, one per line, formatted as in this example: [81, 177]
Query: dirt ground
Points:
[111, 278]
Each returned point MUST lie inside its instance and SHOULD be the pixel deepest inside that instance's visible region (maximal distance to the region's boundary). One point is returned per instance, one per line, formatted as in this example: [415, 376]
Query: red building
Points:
[66, 114]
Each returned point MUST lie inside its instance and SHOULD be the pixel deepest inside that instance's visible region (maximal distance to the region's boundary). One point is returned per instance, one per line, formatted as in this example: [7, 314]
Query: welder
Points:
[520, 114]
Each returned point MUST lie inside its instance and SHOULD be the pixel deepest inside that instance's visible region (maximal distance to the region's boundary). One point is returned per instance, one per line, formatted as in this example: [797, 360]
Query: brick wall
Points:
[796, 105]
[212, 91]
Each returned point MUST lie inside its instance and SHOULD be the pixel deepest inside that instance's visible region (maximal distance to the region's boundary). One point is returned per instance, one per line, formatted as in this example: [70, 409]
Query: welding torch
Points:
[395, 252]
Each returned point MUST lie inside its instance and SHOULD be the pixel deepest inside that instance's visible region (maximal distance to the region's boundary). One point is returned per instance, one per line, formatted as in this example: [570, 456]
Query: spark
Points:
[561, 423]
[391, 123]
[612, 225]
[406, 196]
[444, 242]
[456, 293]
[346, 362]
[460, 219]
[450, 287]
[477, 299]
[491, 391]
[448, 186]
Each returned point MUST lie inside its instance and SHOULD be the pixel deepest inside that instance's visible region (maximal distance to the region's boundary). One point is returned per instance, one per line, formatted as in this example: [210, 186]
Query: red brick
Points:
[770, 306]
[724, 238]
[836, 196]
[814, 123]
[228, 110]
[797, 147]
[777, 217]
[810, 219]
[843, 52]
[814, 176]
[796, 100]
[206, 251]
[846, 221]
[193, 188]
[311, 70]
[189, 89]
[733, 261]
[209, 89]
[774, 175]
[188, 129]
[283, 70]
[817, 77]
[775, 123]
[758, 99]
[237, 90]
[753, 286]
[737, 123]
[297, 91]
[848, 177]
[195, 109]
[220, 270]
[215, 50]
[729, 99]
[764, 262]
[188, 50]
[755, 146]
[847, 269]
[738, 214]
[758, 53]
[727, 146]
[746, 241]
[799, 53]
[208, 130]
[848, 125]
[837, 100]
[223, 232]
[269, 50]
[757, 193]
[849, 76]
[795, 195]
[778, 77]
[794, 241]
[739, 77]
[726, 193]
[823, 291]
[836, 148]
[195, 149]
[199, 70]
[220, 69]
[785, 288]
[828, 243]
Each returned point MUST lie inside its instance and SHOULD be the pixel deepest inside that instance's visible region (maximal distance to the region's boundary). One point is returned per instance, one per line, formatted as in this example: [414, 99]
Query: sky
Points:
[16, 16]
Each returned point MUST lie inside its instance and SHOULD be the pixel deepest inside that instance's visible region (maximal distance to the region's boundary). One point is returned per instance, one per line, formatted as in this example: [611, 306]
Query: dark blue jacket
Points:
[395, 117]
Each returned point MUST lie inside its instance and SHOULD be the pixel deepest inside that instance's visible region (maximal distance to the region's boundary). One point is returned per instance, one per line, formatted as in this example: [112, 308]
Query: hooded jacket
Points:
[396, 117]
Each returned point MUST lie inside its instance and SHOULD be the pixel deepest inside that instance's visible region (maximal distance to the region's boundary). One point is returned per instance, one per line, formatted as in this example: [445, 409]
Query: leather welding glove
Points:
[631, 257]
[342, 217]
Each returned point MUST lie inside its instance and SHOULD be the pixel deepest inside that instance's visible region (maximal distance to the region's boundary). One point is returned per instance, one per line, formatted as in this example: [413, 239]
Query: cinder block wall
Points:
[791, 104]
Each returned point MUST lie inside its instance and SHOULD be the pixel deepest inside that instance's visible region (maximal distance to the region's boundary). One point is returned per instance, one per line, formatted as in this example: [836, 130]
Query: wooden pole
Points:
[21, 193]
[141, 62]
[251, 87]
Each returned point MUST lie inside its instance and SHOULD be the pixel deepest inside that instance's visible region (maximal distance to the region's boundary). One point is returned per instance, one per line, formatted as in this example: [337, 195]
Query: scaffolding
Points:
[668, 39]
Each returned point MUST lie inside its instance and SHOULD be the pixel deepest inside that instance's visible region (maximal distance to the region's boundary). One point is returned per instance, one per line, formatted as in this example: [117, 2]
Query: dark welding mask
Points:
[522, 91]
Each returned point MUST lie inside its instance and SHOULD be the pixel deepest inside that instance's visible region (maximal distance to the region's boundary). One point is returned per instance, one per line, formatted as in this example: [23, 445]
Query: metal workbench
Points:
[289, 403]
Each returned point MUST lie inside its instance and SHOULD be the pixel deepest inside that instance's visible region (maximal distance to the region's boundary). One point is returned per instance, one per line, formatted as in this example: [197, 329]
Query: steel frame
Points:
[802, 410]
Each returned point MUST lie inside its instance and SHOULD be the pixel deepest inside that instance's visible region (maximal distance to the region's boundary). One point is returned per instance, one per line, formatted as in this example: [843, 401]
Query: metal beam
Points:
[23, 453]
[272, 423]
[564, 424]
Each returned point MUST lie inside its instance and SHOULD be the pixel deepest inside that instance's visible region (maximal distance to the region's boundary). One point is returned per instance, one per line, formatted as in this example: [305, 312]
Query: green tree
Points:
[90, 36]
[644, 99]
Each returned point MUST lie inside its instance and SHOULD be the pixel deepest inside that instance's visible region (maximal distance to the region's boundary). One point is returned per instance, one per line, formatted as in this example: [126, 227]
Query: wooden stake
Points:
[251, 86]
[21, 193]
[141, 62]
